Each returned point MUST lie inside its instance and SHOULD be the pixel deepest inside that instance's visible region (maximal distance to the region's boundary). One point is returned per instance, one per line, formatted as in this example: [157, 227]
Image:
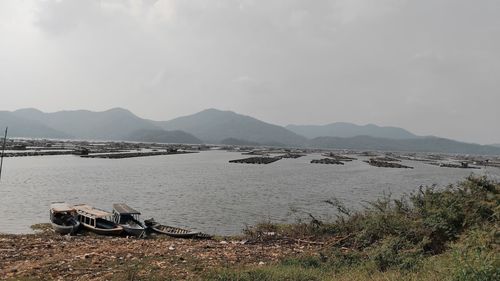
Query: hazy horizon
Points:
[430, 67]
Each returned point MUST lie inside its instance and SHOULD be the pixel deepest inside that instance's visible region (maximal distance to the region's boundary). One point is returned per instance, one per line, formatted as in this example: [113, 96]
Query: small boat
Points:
[173, 231]
[63, 218]
[128, 218]
[97, 221]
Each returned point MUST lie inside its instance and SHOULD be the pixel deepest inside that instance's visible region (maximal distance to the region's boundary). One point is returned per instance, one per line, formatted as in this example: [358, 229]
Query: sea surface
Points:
[202, 190]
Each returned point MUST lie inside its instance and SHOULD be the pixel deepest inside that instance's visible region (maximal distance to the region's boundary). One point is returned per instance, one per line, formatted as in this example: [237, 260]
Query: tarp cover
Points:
[124, 209]
[91, 211]
[59, 207]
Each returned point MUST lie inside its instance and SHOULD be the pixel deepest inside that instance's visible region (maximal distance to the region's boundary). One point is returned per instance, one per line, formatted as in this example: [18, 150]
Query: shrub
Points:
[400, 233]
[396, 252]
[477, 257]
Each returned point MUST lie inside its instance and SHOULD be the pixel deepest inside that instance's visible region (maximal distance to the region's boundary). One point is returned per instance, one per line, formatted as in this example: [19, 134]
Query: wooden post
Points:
[3, 151]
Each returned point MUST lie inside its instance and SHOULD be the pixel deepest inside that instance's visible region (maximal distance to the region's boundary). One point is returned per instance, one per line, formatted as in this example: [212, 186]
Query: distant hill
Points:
[223, 127]
[495, 144]
[427, 144]
[347, 130]
[162, 136]
[213, 126]
[113, 124]
[21, 127]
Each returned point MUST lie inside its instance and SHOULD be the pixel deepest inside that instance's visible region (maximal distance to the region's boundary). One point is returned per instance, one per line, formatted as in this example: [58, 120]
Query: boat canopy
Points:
[92, 212]
[61, 207]
[124, 209]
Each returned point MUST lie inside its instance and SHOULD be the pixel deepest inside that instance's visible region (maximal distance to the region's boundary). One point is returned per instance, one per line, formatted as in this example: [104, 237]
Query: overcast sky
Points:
[430, 66]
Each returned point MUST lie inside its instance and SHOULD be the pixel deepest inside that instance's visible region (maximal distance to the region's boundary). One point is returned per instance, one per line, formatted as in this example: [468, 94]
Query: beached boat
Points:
[97, 221]
[173, 231]
[128, 218]
[63, 218]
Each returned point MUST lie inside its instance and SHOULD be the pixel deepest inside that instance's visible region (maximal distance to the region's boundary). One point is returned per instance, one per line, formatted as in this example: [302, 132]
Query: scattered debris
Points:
[94, 257]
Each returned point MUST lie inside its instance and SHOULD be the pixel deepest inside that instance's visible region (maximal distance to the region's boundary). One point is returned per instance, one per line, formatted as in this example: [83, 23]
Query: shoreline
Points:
[47, 255]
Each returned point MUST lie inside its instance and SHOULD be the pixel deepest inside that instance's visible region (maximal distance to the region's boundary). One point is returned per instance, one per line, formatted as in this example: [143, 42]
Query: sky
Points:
[430, 66]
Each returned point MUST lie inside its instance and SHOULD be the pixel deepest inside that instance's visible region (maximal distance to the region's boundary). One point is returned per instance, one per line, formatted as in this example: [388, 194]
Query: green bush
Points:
[477, 257]
[400, 233]
[396, 252]
[340, 260]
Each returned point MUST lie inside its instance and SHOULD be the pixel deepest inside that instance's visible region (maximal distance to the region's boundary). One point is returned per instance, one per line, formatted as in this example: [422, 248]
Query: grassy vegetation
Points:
[41, 227]
[450, 233]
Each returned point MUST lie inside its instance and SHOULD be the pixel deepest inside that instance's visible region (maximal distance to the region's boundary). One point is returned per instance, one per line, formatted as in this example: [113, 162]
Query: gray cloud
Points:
[431, 66]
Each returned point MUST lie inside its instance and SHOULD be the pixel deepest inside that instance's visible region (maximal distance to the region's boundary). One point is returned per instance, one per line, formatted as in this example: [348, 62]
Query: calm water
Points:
[202, 191]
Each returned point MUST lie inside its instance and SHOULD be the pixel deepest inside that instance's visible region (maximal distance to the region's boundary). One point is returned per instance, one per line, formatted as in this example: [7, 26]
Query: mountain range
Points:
[21, 127]
[349, 130]
[113, 124]
[421, 144]
[214, 125]
[223, 127]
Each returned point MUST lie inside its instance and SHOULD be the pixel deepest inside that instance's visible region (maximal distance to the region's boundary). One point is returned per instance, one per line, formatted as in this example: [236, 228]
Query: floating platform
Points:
[386, 159]
[256, 160]
[132, 154]
[327, 161]
[293, 155]
[463, 165]
[339, 157]
[37, 153]
[384, 164]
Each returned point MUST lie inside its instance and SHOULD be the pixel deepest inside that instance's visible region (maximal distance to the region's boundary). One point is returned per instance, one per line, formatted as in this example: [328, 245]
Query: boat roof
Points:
[90, 211]
[59, 207]
[124, 209]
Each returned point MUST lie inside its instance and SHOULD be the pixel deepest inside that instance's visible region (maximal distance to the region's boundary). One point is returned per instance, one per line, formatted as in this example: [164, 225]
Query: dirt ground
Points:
[48, 256]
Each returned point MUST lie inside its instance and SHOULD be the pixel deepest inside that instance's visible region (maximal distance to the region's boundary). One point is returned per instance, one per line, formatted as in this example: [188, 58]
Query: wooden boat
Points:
[173, 231]
[63, 218]
[97, 221]
[128, 218]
